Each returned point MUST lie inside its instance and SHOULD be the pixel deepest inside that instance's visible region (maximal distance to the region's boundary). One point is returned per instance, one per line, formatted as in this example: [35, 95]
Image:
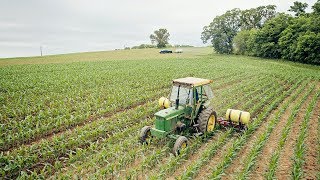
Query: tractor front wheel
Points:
[181, 144]
[207, 120]
[145, 135]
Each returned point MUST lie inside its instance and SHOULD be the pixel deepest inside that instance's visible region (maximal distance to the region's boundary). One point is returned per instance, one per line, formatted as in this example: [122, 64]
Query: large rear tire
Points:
[207, 120]
[181, 143]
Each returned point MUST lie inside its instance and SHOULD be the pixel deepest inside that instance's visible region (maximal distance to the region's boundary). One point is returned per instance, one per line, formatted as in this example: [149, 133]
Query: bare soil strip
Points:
[205, 172]
[237, 164]
[286, 155]
[311, 167]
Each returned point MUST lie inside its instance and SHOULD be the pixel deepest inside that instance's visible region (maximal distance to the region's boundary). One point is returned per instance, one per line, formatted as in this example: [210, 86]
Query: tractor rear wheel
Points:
[207, 120]
[145, 135]
[181, 143]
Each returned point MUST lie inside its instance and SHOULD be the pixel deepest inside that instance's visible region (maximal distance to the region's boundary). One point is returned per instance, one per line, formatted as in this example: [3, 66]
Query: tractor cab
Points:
[191, 91]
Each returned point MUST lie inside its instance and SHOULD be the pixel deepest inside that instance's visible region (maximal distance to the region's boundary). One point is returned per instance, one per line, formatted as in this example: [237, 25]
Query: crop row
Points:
[59, 118]
[110, 165]
[193, 169]
[299, 152]
[262, 139]
[231, 152]
[27, 156]
[119, 153]
[243, 97]
[270, 173]
[174, 161]
[53, 154]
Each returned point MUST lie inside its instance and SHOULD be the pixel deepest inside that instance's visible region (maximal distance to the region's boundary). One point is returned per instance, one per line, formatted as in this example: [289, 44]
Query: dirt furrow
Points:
[286, 155]
[195, 156]
[205, 170]
[237, 165]
[311, 167]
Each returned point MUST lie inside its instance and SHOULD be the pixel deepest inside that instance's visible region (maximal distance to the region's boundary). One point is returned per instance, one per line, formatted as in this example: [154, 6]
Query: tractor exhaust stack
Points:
[177, 100]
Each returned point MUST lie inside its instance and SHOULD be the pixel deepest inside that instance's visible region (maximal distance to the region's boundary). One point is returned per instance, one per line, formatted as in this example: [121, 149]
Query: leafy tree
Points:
[299, 41]
[222, 30]
[240, 42]
[316, 8]
[298, 8]
[161, 37]
[308, 48]
[266, 39]
[256, 17]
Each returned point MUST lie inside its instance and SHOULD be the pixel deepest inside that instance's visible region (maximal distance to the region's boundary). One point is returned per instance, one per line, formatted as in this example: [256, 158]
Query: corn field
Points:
[64, 119]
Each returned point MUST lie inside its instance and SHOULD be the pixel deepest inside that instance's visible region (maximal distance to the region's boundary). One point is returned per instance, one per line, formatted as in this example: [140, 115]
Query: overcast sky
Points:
[64, 26]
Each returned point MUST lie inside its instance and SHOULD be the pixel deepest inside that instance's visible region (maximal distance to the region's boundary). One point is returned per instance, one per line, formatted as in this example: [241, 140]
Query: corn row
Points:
[284, 134]
[235, 147]
[299, 152]
[262, 139]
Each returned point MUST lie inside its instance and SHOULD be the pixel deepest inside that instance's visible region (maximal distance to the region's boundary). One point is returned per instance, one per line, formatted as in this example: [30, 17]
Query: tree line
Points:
[263, 32]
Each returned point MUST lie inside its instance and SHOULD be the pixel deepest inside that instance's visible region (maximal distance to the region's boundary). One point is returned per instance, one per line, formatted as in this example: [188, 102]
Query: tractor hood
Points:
[170, 112]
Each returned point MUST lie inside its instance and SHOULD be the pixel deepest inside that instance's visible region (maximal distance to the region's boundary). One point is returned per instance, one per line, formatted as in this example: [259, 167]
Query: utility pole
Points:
[41, 50]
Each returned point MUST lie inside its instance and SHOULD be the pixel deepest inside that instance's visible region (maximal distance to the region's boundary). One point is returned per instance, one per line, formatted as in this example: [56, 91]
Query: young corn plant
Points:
[284, 134]
[259, 144]
[231, 152]
[299, 152]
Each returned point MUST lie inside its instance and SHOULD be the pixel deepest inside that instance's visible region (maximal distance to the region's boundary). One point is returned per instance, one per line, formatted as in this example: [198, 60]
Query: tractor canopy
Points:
[189, 89]
[191, 82]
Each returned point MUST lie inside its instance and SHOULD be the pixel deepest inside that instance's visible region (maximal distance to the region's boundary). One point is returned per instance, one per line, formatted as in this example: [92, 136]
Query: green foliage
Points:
[264, 33]
[242, 42]
[266, 39]
[222, 30]
[300, 41]
[298, 8]
[161, 37]
[316, 8]
[254, 18]
[143, 46]
[299, 152]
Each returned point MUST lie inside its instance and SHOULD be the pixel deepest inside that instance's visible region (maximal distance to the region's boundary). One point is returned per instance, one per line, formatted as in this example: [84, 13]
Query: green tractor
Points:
[187, 109]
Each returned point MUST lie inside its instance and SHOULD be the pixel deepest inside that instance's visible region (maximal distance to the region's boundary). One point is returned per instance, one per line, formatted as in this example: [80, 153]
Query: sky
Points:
[66, 26]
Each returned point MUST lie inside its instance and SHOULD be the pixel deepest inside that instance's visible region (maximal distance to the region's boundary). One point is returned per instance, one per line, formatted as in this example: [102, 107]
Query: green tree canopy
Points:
[161, 37]
[266, 40]
[316, 8]
[298, 8]
[243, 42]
[256, 17]
[222, 30]
[300, 41]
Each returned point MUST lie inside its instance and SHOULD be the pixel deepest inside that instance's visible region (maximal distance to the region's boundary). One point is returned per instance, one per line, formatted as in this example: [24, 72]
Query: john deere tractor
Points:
[188, 108]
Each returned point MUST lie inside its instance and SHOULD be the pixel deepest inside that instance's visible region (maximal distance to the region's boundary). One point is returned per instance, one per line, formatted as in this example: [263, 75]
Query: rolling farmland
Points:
[79, 115]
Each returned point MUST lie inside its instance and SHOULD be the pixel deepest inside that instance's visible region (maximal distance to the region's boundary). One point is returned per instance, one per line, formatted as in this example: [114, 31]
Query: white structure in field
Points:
[178, 51]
